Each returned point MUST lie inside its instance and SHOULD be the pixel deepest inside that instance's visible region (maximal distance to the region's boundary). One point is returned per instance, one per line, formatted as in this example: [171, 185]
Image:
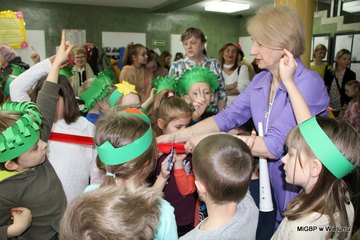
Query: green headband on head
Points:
[162, 83]
[23, 134]
[66, 71]
[122, 89]
[114, 156]
[194, 75]
[98, 90]
[16, 71]
[324, 149]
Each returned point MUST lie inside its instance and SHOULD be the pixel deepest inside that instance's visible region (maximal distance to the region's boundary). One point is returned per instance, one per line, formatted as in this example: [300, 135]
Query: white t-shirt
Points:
[241, 77]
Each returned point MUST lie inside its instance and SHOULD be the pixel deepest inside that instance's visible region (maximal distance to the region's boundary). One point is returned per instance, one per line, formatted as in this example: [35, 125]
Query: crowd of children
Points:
[135, 145]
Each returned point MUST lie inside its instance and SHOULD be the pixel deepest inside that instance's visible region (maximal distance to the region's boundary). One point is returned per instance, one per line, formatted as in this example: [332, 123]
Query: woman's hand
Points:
[192, 142]
[287, 67]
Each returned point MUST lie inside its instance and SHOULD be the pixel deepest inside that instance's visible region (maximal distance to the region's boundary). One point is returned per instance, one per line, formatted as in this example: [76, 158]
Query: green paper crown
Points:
[66, 71]
[114, 156]
[161, 83]
[324, 149]
[23, 134]
[194, 75]
[16, 71]
[98, 90]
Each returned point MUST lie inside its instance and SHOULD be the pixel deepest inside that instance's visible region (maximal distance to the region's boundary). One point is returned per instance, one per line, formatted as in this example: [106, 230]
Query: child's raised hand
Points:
[22, 220]
[287, 67]
[63, 50]
[199, 105]
[104, 106]
[35, 57]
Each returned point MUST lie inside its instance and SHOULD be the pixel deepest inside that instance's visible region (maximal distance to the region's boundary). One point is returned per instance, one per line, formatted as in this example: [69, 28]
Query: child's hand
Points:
[179, 158]
[35, 57]
[104, 106]
[22, 220]
[287, 67]
[63, 50]
[199, 105]
[152, 95]
[164, 167]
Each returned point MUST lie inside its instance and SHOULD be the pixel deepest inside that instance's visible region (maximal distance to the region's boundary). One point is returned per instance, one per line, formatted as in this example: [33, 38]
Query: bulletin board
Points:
[12, 29]
[321, 39]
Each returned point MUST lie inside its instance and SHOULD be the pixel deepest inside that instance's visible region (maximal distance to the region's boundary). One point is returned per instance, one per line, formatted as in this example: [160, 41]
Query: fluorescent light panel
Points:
[226, 7]
[351, 7]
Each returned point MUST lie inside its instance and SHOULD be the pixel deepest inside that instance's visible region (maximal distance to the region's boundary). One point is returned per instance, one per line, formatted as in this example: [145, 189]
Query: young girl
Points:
[324, 204]
[126, 147]
[73, 165]
[172, 114]
[352, 110]
[134, 61]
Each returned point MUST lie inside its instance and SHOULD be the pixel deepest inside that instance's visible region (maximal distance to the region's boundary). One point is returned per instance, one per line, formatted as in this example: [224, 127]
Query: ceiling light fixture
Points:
[351, 7]
[226, 7]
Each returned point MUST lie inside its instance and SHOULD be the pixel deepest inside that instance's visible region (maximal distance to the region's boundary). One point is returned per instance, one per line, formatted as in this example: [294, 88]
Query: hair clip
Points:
[109, 174]
[170, 94]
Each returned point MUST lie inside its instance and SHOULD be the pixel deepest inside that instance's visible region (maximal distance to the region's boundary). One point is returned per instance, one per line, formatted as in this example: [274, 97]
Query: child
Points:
[197, 87]
[222, 166]
[27, 178]
[134, 61]
[121, 213]
[352, 110]
[126, 147]
[324, 204]
[174, 114]
[99, 96]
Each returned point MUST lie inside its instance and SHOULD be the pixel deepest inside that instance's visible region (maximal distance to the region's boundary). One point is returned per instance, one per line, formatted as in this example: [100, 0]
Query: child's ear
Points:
[316, 167]
[11, 165]
[200, 187]
[161, 123]
[187, 99]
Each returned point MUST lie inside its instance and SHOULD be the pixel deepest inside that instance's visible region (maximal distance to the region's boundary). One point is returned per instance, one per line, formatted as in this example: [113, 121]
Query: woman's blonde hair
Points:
[278, 28]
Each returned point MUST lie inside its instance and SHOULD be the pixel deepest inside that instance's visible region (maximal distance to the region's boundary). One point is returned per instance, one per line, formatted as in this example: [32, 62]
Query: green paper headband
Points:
[98, 90]
[324, 149]
[194, 75]
[115, 156]
[66, 71]
[122, 89]
[162, 83]
[16, 71]
[23, 134]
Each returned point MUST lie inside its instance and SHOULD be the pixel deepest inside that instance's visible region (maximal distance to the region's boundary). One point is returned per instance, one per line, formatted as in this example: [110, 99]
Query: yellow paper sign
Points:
[12, 29]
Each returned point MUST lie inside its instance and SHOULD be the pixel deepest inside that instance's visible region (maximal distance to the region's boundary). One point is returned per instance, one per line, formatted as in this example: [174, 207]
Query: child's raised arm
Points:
[287, 70]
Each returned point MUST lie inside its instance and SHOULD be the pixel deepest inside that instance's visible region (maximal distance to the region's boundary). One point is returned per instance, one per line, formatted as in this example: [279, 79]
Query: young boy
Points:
[222, 165]
[197, 87]
[121, 213]
[30, 190]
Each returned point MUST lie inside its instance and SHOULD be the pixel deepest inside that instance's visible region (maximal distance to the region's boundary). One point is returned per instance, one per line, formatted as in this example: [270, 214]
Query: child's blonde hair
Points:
[330, 194]
[168, 107]
[120, 130]
[113, 212]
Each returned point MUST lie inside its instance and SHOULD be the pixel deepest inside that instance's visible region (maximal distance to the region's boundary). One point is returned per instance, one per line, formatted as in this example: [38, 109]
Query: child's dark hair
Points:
[71, 108]
[130, 51]
[223, 163]
[168, 107]
[120, 131]
[330, 194]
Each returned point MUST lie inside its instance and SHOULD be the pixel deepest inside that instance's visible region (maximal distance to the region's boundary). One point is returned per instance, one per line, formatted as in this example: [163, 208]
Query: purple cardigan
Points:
[253, 102]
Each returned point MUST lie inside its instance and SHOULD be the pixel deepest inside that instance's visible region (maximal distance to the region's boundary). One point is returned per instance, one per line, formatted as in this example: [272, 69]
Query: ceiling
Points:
[165, 6]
